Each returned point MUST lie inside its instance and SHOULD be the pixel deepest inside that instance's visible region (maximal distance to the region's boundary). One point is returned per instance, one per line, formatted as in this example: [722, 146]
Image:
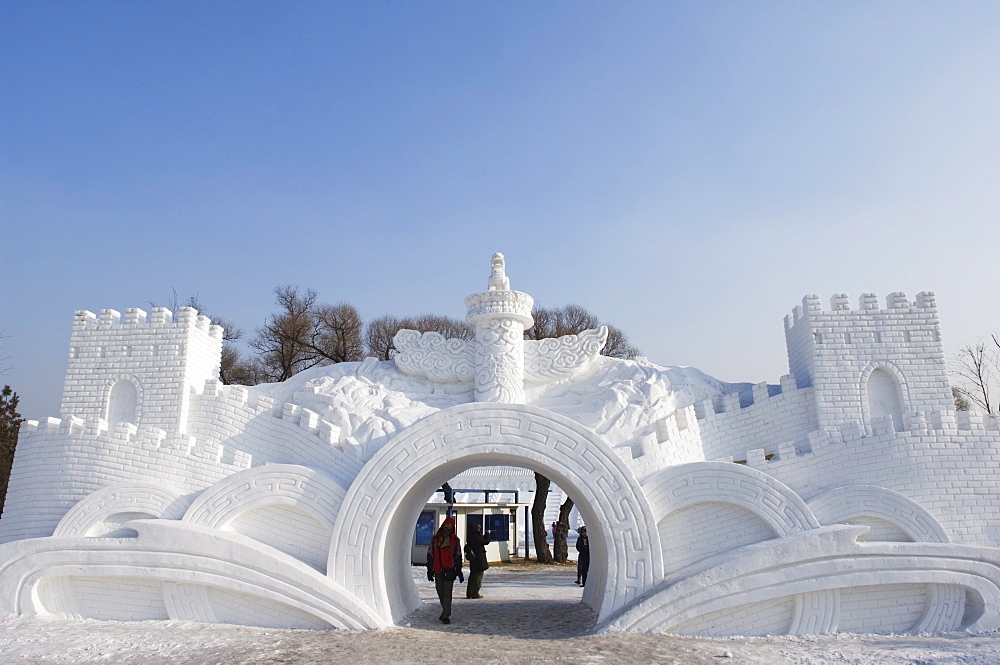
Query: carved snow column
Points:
[500, 318]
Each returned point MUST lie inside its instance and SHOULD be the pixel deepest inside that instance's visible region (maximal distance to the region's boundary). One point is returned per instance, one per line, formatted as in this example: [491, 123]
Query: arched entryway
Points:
[883, 394]
[369, 554]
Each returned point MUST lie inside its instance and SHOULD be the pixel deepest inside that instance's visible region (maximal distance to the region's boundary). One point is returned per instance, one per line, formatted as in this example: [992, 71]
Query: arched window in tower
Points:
[123, 403]
[884, 398]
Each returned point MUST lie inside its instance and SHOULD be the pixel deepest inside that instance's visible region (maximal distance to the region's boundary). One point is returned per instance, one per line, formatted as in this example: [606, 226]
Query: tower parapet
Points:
[138, 371]
[869, 362]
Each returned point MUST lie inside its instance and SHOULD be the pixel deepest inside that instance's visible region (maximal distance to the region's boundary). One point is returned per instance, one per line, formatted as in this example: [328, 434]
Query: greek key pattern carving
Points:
[687, 484]
[816, 612]
[291, 484]
[188, 602]
[610, 498]
[57, 594]
[431, 356]
[562, 357]
[945, 609]
[843, 503]
[151, 500]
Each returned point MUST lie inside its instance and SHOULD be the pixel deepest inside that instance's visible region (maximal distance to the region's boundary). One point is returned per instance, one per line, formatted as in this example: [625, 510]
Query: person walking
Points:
[444, 564]
[578, 563]
[583, 559]
[475, 552]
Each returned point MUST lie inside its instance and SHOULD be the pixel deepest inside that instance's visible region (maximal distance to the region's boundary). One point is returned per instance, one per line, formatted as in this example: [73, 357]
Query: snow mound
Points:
[371, 400]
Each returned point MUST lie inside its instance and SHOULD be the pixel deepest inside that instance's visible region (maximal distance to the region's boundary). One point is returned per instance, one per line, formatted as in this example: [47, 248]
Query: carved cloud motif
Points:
[562, 357]
[430, 355]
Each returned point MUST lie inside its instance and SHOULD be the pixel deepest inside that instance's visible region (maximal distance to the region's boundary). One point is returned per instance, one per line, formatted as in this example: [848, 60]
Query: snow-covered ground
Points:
[527, 616]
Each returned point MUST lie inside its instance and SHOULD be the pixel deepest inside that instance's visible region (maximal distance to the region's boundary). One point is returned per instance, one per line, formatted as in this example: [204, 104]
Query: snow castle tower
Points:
[869, 363]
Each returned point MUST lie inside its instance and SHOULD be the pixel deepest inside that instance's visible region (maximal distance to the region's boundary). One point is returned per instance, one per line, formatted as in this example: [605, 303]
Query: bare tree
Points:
[337, 333]
[538, 527]
[174, 303]
[618, 345]
[559, 546]
[574, 319]
[962, 403]
[977, 367]
[235, 368]
[378, 336]
[304, 334]
[279, 341]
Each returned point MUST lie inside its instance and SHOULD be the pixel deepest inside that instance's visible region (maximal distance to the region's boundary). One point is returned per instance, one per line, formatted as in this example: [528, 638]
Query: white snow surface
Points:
[527, 616]
[371, 400]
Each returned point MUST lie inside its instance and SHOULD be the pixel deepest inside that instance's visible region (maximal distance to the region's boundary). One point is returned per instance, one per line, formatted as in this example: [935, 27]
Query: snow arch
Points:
[124, 400]
[372, 534]
[841, 504]
[884, 393]
[271, 484]
[766, 497]
[144, 500]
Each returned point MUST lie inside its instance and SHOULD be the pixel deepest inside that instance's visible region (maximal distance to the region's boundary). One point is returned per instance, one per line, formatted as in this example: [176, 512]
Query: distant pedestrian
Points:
[444, 564]
[475, 552]
[578, 564]
[583, 559]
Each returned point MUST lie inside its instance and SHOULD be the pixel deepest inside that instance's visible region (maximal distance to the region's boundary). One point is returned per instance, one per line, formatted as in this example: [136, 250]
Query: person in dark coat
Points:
[444, 564]
[583, 559]
[475, 552]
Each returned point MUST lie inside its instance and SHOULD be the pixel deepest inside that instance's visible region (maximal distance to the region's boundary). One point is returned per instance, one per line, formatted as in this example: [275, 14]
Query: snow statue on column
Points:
[837, 500]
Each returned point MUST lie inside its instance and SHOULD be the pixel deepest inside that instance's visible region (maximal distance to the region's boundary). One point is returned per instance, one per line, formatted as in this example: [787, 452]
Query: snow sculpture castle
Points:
[852, 497]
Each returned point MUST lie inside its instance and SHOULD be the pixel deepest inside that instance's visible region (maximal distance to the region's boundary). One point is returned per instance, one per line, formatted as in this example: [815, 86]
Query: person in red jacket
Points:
[444, 564]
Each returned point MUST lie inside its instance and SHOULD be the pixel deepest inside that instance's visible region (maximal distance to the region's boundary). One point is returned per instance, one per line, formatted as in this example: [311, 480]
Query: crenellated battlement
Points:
[139, 368]
[775, 412]
[729, 403]
[674, 439]
[868, 306]
[125, 437]
[940, 430]
[891, 356]
[135, 318]
[248, 404]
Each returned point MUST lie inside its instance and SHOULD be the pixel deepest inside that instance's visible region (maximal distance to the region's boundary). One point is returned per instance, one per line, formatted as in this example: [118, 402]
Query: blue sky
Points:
[687, 171]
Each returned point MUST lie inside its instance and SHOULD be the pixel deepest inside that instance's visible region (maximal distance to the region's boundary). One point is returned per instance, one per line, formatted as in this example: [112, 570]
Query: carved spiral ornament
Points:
[430, 355]
[562, 357]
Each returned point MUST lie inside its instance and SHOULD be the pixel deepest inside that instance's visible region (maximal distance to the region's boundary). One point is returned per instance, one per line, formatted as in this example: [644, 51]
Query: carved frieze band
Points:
[512, 304]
